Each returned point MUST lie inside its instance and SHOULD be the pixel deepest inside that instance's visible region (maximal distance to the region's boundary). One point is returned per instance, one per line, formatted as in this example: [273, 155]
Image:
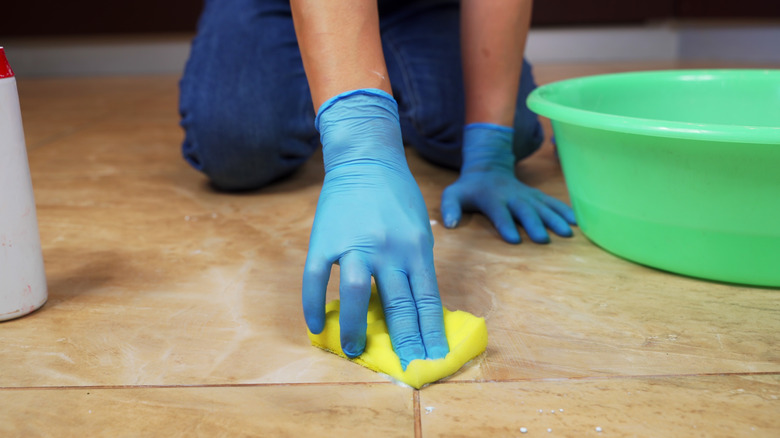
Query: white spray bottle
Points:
[22, 278]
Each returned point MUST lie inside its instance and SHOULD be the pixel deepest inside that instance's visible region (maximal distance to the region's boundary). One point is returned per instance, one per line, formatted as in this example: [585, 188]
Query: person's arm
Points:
[493, 35]
[340, 46]
[371, 217]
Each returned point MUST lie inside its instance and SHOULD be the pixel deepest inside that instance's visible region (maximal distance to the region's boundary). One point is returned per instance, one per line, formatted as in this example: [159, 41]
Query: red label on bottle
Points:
[5, 68]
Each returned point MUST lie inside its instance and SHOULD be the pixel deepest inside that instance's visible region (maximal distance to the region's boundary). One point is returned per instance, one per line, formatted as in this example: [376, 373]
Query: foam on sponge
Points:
[466, 336]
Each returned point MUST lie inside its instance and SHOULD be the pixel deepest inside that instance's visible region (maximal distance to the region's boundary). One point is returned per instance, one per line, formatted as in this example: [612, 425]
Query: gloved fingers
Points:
[400, 315]
[502, 219]
[316, 274]
[354, 294]
[527, 215]
[561, 208]
[430, 315]
[552, 219]
[450, 207]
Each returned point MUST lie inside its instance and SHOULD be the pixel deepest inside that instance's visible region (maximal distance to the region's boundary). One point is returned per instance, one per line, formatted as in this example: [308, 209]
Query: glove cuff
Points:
[361, 127]
[488, 126]
[357, 100]
[487, 146]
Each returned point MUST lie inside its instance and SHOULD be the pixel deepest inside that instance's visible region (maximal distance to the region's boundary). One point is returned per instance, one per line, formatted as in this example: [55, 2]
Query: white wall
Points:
[756, 43]
[127, 55]
[736, 42]
[645, 43]
[691, 41]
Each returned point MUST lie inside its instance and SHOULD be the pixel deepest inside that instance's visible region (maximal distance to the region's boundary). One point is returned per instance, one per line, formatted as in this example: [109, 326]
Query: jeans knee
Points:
[435, 135]
[244, 100]
[241, 156]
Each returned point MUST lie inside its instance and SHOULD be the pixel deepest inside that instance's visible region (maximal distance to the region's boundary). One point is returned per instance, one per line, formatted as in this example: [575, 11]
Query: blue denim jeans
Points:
[247, 111]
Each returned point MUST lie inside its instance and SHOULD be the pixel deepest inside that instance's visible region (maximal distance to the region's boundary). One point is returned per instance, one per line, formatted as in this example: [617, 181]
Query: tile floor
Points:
[174, 310]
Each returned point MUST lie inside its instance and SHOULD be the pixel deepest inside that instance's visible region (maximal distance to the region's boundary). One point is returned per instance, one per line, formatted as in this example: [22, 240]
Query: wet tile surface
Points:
[712, 406]
[278, 411]
[155, 279]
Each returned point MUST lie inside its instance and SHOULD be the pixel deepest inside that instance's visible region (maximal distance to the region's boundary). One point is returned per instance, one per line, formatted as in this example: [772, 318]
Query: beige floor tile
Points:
[53, 108]
[571, 309]
[264, 411]
[156, 279]
[716, 406]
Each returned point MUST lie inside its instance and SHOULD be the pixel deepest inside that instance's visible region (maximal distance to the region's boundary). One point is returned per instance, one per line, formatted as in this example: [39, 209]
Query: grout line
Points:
[194, 386]
[416, 392]
[417, 414]
[622, 377]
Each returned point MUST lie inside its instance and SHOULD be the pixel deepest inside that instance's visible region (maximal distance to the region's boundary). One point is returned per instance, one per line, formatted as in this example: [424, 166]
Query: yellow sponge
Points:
[466, 335]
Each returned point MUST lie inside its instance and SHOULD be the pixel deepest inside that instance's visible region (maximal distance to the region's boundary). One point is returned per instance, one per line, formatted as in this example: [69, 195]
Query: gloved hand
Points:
[371, 219]
[487, 183]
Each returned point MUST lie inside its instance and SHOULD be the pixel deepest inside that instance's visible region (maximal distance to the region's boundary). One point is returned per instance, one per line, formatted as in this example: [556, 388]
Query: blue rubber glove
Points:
[488, 184]
[371, 219]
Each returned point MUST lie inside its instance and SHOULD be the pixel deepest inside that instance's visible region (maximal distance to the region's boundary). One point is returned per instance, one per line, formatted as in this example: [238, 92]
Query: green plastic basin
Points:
[678, 170]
